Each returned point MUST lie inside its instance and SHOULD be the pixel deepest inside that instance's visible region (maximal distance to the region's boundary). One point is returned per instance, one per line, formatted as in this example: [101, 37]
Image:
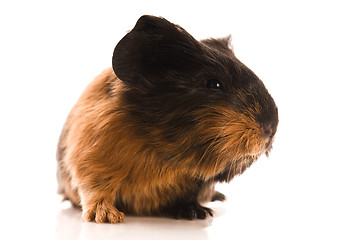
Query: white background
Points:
[306, 52]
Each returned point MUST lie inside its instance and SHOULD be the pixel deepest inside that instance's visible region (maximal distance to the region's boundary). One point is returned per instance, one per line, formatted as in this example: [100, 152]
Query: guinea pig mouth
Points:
[258, 153]
[264, 146]
[268, 147]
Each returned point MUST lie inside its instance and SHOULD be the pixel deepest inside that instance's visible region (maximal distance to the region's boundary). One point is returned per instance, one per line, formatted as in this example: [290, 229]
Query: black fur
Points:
[187, 205]
[166, 72]
[160, 61]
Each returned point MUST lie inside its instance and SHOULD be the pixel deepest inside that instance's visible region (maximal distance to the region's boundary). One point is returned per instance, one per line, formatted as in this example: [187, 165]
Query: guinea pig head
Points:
[196, 104]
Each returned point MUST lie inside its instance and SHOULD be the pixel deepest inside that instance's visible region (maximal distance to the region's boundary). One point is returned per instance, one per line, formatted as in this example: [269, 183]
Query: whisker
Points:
[218, 161]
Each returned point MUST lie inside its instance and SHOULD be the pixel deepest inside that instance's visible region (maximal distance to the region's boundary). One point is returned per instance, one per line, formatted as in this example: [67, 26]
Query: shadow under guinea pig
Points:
[71, 226]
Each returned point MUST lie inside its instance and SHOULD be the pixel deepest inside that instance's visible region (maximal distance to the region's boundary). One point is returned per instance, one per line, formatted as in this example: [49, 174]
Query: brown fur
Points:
[111, 132]
[110, 163]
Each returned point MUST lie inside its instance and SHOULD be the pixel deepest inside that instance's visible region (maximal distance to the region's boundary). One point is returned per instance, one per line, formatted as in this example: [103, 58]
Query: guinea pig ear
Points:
[221, 44]
[152, 50]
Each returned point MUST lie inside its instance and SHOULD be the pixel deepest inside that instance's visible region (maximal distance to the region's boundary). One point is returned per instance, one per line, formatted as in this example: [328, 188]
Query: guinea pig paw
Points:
[103, 213]
[217, 196]
[193, 211]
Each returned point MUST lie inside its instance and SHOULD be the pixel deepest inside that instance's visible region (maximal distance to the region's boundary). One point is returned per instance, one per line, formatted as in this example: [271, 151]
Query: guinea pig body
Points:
[153, 135]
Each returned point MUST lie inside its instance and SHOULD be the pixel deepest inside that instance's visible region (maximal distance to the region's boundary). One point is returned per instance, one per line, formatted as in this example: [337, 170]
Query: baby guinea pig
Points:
[153, 135]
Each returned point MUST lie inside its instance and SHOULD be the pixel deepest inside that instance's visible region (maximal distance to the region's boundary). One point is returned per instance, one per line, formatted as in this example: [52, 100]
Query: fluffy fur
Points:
[153, 135]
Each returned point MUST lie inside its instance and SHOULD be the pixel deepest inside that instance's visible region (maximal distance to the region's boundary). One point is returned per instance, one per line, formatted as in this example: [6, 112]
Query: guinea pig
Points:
[153, 134]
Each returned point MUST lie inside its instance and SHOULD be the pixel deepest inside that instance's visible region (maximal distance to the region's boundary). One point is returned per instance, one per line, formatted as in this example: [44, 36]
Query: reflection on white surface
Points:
[70, 226]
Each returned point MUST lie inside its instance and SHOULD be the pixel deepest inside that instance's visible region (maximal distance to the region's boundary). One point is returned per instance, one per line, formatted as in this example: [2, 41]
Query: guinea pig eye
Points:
[214, 84]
